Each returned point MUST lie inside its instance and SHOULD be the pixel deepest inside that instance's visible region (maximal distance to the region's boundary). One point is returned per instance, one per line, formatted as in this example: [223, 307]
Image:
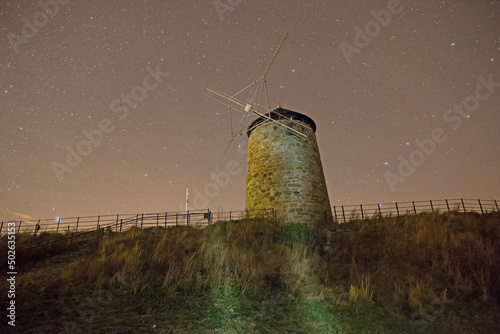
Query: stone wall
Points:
[285, 173]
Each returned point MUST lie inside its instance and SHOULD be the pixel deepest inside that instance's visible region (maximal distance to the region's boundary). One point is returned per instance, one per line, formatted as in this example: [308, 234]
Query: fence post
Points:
[447, 205]
[77, 221]
[19, 228]
[463, 205]
[38, 224]
[362, 215]
[432, 208]
[343, 213]
[496, 204]
[136, 219]
[335, 212]
[142, 220]
[98, 230]
[121, 224]
[414, 208]
[58, 221]
[480, 206]
[230, 217]
[1, 226]
[116, 227]
[157, 219]
[166, 213]
[397, 209]
[176, 218]
[379, 211]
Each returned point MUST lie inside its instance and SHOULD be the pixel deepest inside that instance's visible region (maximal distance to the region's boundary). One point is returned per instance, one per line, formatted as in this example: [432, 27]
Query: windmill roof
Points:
[282, 113]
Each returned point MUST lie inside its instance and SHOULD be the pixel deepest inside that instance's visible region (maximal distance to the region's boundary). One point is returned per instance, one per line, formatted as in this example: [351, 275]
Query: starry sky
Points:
[405, 95]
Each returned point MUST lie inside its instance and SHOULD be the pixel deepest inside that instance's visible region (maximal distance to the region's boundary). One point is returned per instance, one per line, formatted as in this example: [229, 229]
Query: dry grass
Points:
[256, 255]
[402, 263]
[411, 260]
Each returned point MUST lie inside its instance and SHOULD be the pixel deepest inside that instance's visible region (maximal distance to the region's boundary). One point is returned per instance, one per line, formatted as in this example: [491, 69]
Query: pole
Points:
[36, 227]
[447, 205]
[397, 209]
[463, 205]
[58, 221]
[187, 201]
[98, 229]
[480, 206]
[362, 215]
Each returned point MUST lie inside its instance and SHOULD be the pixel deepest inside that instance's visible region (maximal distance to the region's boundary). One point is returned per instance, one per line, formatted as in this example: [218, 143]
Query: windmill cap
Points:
[279, 114]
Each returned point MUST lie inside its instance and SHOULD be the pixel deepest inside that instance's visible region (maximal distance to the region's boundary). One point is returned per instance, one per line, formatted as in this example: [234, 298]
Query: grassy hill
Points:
[432, 272]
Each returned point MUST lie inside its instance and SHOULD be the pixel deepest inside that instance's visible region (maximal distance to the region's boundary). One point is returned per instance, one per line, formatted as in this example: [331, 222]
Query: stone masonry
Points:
[285, 172]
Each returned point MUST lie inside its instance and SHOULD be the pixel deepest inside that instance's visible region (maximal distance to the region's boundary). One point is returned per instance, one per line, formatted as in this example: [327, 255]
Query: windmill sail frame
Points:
[248, 106]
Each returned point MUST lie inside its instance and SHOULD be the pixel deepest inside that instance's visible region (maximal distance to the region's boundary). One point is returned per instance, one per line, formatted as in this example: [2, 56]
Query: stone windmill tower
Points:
[284, 167]
[284, 170]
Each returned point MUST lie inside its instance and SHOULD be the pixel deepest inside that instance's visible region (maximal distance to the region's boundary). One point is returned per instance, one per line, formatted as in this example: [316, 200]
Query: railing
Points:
[347, 213]
[341, 214]
[84, 229]
[121, 222]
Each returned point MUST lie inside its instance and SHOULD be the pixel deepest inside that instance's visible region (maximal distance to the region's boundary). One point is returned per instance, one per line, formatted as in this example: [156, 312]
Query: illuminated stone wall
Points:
[285, 172]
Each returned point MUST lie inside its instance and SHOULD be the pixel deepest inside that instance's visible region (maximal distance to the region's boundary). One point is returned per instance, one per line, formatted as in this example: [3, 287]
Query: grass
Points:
[430, 272]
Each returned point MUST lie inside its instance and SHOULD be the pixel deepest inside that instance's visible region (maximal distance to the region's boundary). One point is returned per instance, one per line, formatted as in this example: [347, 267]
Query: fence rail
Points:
[85, 229]
[120, 222]
[347, 213]
[341, 214]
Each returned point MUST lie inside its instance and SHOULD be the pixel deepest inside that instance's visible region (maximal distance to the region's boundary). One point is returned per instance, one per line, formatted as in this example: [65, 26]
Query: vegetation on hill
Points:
[421, 273]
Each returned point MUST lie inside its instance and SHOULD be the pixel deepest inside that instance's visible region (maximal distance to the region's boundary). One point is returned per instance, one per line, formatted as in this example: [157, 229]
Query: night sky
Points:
[132, 76]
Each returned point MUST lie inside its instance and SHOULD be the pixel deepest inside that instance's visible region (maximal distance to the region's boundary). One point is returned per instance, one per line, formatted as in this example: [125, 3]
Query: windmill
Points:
[249, 105]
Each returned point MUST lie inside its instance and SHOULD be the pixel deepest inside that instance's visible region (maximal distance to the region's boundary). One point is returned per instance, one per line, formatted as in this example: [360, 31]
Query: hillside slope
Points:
[412, 274]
